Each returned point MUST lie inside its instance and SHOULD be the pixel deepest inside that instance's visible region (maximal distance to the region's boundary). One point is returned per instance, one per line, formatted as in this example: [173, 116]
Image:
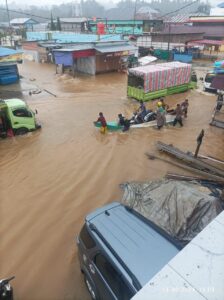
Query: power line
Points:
[24, 13]
[174, 11]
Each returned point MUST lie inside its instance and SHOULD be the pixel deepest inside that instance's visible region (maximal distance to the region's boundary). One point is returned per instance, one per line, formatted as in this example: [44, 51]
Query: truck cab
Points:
[15, 115]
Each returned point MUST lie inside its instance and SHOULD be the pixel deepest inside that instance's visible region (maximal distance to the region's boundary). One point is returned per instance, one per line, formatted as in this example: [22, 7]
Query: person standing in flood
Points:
[165, 106]
[102, 120]
[160, 115]
[123, 122]
[184, 107]
[178, 118]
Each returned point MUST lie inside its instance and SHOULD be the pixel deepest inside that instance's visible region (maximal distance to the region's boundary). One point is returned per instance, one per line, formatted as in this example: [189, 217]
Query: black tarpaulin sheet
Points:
[182, 209]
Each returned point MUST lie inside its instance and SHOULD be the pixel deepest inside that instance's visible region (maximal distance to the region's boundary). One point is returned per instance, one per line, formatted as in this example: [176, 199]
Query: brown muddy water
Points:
[52, 178]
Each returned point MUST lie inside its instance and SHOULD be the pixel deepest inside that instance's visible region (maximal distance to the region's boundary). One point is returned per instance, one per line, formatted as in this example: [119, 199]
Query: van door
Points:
[22, 117]
[109, 282]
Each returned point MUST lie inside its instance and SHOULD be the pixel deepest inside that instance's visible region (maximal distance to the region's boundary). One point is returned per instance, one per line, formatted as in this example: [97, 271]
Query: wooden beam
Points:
[183, 166]
[190, 160]
[193, 178]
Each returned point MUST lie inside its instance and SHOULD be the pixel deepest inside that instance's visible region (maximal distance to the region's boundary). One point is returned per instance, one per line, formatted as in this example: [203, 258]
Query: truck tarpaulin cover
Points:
[160, 76]
[181, 209]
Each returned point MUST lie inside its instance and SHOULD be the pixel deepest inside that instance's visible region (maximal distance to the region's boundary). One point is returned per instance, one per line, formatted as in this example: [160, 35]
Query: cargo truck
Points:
[16, 117]
[159, 80]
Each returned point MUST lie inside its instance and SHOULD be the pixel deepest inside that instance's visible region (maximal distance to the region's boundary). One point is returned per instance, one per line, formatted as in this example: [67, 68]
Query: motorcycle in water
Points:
[6, 290]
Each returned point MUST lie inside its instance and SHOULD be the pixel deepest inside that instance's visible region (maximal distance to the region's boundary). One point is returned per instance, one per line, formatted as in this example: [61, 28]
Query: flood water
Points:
[50, 179]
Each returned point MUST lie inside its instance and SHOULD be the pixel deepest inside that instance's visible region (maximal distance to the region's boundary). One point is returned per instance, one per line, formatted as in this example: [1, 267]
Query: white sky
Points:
[52, 2]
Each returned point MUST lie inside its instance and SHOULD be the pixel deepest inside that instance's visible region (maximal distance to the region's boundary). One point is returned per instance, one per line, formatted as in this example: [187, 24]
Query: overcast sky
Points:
[51, 2]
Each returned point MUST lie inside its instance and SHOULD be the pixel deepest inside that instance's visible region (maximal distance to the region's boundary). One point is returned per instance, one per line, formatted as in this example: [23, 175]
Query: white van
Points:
[208, 80]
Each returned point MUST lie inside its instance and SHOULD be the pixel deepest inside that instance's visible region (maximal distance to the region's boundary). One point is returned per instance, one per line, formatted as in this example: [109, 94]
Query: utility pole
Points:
[134, 16]
[7, 9]
[169, 29]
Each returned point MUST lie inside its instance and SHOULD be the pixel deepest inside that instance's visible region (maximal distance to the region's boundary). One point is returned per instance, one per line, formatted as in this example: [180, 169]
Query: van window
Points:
[86, 238]
[209, 78]
[113, 278]
[22, 112]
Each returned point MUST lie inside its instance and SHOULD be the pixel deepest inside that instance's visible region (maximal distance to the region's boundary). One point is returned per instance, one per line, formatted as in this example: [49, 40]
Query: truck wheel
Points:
[91, 288]
[21, 131]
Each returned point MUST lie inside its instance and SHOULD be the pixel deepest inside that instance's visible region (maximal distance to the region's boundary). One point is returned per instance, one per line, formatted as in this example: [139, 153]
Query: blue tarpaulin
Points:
[7, 51]
[8, 73]
[183, 57]
[65, 58]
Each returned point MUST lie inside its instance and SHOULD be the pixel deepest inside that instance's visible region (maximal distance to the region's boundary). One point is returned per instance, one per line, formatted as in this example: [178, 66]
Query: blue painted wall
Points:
[185, 58]
[65, 37]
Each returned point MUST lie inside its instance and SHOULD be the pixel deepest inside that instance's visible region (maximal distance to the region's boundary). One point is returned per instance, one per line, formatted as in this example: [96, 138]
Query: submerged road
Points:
[50, 179]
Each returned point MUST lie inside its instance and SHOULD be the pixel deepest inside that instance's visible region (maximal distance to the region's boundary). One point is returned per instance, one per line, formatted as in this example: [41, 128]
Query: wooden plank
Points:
[217, 123]
[211, 158]
[193, 178]
[183, 166]
[190, 160]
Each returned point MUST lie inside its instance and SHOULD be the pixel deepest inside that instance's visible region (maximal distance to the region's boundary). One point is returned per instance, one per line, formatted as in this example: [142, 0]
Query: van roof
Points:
[142, 249]
[14, 102]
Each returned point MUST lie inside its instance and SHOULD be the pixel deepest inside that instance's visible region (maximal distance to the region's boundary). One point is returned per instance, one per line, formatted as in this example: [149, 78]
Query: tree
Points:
[58, 26]
[52, 25]
[204, 8]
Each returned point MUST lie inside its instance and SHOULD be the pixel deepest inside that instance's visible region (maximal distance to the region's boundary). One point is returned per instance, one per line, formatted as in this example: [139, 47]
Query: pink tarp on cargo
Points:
[161, 76]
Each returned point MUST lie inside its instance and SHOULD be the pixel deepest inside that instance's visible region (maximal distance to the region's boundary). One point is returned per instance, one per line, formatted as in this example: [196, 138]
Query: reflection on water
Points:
[52, 178]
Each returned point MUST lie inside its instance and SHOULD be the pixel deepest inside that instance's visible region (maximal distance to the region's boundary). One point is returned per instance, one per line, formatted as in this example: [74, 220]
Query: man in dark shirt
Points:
[178, 118]
[123, 122]
[184, 106]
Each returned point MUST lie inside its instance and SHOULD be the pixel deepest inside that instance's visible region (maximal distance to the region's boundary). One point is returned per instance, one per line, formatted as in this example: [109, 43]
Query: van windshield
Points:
[209, 77]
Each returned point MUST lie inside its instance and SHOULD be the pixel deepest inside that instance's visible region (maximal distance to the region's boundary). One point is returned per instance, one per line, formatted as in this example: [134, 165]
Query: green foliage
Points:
[52, 25]
[58, 25]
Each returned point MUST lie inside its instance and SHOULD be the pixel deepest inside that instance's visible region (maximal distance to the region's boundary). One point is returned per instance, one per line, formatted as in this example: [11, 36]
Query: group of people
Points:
[144, 115]
[180, 111]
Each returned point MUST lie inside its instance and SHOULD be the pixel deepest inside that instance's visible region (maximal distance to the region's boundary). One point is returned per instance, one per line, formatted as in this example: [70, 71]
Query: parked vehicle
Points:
[159, 80]
[6, 290]
[120, 251]
[15, 115]
[208, 80]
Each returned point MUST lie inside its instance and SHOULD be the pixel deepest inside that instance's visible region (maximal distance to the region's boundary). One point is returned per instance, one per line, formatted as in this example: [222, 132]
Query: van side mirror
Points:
[201, 78]
[36, 112]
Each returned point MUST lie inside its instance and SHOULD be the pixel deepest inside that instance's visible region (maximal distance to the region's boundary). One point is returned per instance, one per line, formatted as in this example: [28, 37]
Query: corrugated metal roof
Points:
[73, 20]
[206, 42]
[19, 20]
[206, 19]
[7, 52]
[181, 29]
[115, 48]
[75, 48]
[212, 31]
[182, 18]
